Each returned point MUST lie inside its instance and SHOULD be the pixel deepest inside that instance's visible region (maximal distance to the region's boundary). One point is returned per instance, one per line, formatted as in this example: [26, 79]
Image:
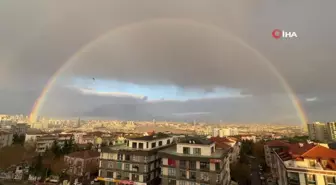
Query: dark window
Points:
[171, 182]
[197, 151]
[109, 174]
[153, 145]
[212, 149]
[192, 164]
[147, 145]
[217, 166]
[186, 150]
[127, 167]
[182, 164]
[127, 157]
[141, 145]
[311, 179]
[183, 173]
[134, 145]
[192, 175]
[168, 141]
[160, 143]
[204, 165]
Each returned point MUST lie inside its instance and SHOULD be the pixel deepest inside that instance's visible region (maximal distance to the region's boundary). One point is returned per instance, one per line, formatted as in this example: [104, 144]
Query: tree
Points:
[58, 166]
[55, 149]
[240, 172]
[37, 166]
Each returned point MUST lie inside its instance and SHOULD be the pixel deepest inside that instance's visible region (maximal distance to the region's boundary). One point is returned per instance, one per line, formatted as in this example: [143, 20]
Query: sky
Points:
[190, 60]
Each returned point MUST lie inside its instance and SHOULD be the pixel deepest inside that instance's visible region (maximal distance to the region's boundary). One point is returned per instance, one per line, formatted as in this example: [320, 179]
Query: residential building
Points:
[32, 134]
[318, 131]
[228, 143]
[302, 164]
[20, 128]
[195, 161]
[331, 130]
[134, 161]
[215, 132]
[6, 138]
[44, 142]
[82, 163]
[269, 148]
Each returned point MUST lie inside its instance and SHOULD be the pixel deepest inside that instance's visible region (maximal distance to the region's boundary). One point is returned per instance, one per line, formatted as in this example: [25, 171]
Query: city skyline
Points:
[186, 62]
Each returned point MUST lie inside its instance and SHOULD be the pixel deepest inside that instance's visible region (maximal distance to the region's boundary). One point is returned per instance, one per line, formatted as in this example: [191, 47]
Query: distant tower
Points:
[79, 122]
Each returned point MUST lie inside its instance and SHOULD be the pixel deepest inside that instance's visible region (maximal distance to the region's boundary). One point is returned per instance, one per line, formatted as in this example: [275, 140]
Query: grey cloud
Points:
[38, 37]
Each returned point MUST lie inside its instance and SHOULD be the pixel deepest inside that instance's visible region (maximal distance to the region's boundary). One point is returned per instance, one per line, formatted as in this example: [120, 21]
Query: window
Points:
[135, 177]
[183, 183]
[145, 168]
[182, 164]
[197, 151]
[171, 162]
[141, 145]
[153, 145]
[218, 166]
[171, 172]
[119, 165]
[135, 168]
[134, 145]
[192, 164]
[120, 157]
[127, 167]
[204, 165]
[212, 149]
[183, 173]
[118, 175]
[330, 180]
[171, 182]
[127, 157]
[135, 158]
[110, 164]
[310, 178]
[204, 176]
[160, 143]
[168, 141]
[192, 175]
[186, 150]
[109, 174]
[147, 145]
[312, 163]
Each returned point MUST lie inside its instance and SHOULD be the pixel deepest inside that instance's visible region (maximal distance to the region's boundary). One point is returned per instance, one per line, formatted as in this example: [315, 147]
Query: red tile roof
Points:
[320, 152]
[297, 149]
[222, 145]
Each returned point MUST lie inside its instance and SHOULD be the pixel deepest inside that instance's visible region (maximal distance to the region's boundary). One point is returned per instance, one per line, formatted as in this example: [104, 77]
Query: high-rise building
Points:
[195, 161]
[331, 130]
[318, 131]
[135, 161]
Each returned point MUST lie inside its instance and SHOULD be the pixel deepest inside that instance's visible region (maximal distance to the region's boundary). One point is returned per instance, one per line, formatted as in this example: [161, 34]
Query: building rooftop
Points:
[221, 140]
[34, 131]
[195, 140]
[84, 154]
[172, 151]
[151, 137]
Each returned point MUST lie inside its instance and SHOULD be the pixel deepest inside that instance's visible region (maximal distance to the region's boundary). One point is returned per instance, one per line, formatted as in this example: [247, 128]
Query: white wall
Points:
[205, 149]
[164, 142]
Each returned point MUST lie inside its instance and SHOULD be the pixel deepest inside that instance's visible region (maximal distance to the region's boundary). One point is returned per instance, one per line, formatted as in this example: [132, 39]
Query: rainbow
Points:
[43, 96]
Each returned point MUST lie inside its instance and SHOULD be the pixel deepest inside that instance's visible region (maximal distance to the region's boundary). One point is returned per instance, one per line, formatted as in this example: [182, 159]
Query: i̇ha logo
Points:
[277, 34]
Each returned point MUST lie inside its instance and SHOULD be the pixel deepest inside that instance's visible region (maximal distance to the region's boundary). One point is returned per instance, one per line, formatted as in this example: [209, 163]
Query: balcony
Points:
[292, 181]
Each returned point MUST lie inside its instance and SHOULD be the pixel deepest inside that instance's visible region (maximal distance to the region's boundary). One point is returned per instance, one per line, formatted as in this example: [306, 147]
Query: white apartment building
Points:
[304, 164]
[195, 161]
[318, 131]
[44, 142]
[6, 138]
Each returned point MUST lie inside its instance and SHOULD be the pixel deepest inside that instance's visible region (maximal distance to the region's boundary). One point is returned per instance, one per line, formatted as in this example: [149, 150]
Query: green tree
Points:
[37, 166]
[55, 148]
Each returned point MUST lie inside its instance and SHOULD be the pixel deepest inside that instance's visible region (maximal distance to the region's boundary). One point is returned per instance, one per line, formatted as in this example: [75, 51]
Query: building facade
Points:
[20, 128]
[302, 164]
[318, 131]
[331, 130]
[6, 138]
[82, 163]
[195, 161]
[133, 162]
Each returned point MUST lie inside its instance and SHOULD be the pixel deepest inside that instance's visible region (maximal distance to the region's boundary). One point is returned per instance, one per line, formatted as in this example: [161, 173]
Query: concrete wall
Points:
[164, 142]
[205, 149]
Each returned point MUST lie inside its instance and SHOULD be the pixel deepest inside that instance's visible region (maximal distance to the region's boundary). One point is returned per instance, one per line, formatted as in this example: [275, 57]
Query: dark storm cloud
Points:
[37, 37]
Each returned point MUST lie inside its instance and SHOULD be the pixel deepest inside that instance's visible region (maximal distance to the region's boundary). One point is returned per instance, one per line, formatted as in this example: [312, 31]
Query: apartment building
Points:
[6, 138]
[331, 130]
[195, 161]
[304, 164]
[133, 162]
[82, 163]
[20, 128]
[44, 142]
[318, 131]
[228, 143]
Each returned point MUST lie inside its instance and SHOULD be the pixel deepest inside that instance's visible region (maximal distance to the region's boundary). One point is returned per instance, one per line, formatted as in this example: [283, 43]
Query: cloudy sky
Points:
[173, 60]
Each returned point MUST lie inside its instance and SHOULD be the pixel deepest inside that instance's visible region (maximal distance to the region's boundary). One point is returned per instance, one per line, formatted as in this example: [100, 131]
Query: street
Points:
[255, 178]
